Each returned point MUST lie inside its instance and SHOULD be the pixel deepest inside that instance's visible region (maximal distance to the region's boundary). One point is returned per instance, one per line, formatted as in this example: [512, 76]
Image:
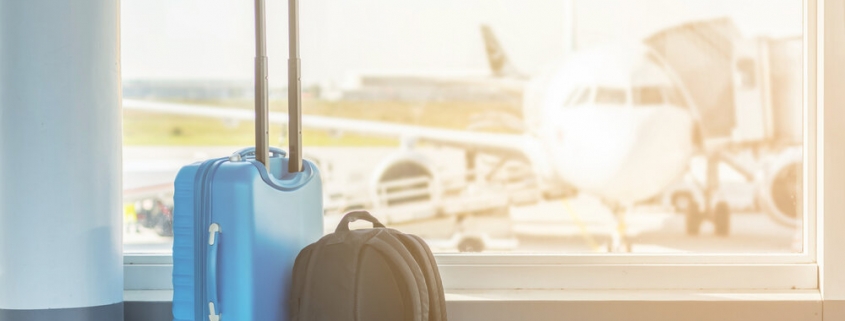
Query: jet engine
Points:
[405, 178]
[781, 192]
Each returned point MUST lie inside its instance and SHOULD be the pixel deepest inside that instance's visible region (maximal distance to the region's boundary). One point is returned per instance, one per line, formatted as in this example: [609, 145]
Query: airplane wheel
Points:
[722, 219]
[625, 247]
[471, 244]
[693, 219]
[682, 202]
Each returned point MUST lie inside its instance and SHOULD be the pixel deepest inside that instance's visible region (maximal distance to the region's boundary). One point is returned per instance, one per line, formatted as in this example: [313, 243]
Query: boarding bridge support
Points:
[60, 161]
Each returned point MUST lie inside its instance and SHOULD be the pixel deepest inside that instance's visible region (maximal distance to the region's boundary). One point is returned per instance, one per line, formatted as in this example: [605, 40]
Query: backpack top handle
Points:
[353, 216]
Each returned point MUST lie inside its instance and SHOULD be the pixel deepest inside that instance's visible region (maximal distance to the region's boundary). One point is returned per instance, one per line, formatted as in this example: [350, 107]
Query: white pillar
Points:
[60, 161]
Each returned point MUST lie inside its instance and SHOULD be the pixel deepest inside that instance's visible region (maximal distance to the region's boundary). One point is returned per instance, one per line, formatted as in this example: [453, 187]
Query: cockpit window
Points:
[614, 96]
[650, 95]
[674, 97]
[583, 98]
[572, 96]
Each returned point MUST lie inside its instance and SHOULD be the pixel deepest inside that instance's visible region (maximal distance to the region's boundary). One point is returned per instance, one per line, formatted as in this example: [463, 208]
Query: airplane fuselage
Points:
[613, 122]
[622, 154]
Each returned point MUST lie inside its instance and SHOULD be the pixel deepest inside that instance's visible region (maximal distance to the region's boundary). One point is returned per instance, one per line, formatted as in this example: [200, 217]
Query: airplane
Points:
[614, 122]
[505, 79]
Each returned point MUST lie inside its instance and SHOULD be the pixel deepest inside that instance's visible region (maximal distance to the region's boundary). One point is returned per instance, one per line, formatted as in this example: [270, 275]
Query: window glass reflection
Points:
[462, 125]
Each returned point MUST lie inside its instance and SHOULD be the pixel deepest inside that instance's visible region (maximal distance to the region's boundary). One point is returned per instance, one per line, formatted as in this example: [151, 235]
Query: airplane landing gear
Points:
[719, 214]
[621, 247]
[694, 217]
[682, 202]
[471, 244]
[716, 210]
[722, 218]
[620, 243]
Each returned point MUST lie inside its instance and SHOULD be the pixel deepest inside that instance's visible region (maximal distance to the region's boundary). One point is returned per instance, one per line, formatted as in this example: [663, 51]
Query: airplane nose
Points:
[662, 152]
[626, 155]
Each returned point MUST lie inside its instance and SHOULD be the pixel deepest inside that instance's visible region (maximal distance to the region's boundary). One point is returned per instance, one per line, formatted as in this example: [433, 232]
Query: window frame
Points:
[818, 268]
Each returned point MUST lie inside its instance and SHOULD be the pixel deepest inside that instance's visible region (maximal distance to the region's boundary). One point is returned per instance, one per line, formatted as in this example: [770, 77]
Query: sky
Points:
[214, 39]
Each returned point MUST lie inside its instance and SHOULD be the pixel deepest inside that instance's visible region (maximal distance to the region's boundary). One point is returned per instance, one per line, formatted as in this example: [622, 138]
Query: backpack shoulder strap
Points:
[298, 289]
[403, 262]
[422, 253]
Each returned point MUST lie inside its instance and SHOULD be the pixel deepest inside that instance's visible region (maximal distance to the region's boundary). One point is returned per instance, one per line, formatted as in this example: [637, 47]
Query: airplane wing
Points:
[501, 144]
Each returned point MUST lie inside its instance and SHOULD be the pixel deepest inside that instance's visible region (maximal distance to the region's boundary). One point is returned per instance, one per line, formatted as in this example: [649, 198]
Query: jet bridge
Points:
[701, 54]
[748, 96]
[746, 90]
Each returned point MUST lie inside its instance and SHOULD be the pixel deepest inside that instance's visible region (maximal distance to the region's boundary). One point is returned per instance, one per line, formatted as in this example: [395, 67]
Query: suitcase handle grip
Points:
[211, 276]
[354, 216]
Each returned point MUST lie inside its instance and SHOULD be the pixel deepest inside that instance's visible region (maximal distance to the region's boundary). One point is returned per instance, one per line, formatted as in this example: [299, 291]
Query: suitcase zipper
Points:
[212, 315]
[202, 196]
[199, 183]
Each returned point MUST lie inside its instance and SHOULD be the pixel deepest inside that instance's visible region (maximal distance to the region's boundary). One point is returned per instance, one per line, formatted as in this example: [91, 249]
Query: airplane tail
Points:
[499, 62]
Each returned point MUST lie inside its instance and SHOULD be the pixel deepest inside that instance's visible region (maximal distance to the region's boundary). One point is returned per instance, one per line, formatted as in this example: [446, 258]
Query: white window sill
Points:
[651, 305]
[630, 295]
[154, 273]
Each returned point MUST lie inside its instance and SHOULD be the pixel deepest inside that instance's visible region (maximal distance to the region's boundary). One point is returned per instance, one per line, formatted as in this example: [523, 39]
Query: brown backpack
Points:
[376, 274]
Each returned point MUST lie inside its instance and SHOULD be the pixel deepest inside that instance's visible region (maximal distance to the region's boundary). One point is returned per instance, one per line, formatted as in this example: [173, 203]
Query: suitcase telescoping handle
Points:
[353, 216]
[294, 91]
[262, 125]
[262, 122]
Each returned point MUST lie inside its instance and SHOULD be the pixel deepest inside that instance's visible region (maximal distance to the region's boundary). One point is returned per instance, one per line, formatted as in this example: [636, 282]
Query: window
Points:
[647, 95]
[357, 70]
[584, 97]
[674, 97]
[611, 96]
[571, 98]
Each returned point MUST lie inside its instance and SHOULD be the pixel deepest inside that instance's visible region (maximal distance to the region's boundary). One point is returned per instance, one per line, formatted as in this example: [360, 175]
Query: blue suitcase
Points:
[237, 231]
[240, 221]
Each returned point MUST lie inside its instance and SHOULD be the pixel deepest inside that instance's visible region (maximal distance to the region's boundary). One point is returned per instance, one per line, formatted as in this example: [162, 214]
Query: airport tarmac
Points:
[548, 227]
[577, 225]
